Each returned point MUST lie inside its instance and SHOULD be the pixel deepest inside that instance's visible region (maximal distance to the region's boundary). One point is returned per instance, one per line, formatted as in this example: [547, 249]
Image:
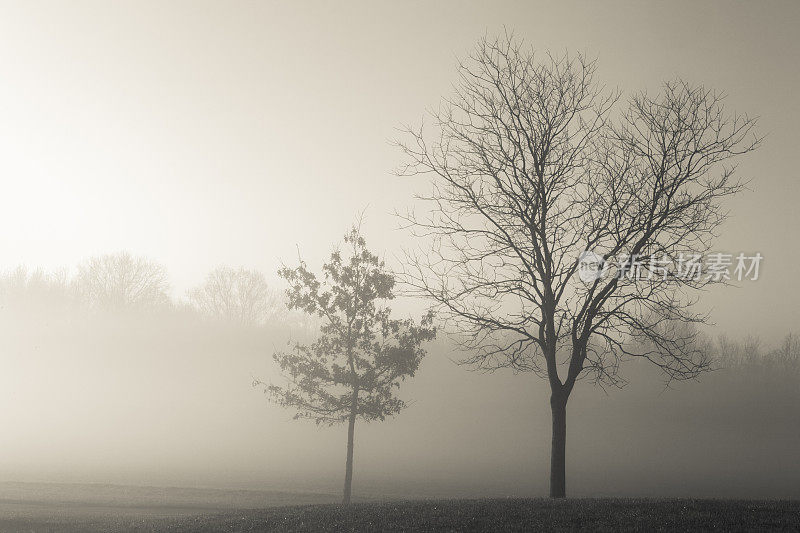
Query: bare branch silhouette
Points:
[532, 164]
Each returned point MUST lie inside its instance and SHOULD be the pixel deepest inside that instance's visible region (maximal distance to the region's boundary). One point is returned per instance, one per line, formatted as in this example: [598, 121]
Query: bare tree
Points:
[750, 355]
[533, 165]
[117, 281]
[361, 355]
[36, 291]
[239, 295]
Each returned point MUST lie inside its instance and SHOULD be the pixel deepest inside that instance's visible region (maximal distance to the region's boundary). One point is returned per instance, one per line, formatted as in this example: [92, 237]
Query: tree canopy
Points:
[361, 354]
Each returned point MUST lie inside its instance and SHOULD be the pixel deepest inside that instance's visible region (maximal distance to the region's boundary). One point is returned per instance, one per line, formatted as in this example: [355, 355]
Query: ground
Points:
[424, 515]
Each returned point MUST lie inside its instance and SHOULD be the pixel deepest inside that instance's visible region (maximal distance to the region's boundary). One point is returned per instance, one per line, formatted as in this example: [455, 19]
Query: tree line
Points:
[122, 281]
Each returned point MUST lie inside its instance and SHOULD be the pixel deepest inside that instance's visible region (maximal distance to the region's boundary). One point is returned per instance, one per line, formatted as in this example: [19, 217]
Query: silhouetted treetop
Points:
[361, 351]
[118, 281]
[239, 296]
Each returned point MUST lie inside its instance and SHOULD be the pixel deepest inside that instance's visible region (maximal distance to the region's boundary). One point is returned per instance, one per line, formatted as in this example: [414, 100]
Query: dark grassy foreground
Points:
[456, 515]
[514, 515]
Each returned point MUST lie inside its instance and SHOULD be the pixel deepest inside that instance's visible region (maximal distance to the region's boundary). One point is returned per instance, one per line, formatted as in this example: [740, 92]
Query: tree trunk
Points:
[348, 475]
[558, 406]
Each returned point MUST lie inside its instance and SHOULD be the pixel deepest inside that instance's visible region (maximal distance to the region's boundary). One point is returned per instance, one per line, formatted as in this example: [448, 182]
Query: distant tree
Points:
[748, 354]
[787, 355]
[239, 296]
[731, 353]
[37, 290]
[361, 355]
[532, 166]
[117, 281]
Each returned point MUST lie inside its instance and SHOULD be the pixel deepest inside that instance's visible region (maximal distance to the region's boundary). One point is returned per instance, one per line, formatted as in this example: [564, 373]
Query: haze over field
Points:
[166, 400]
[196, 135]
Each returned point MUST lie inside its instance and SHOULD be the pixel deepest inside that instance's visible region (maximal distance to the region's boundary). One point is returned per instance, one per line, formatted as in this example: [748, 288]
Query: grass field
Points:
[434, 515]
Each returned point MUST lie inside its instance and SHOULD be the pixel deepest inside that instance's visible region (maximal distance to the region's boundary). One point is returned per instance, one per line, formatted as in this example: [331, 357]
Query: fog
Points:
[195, 136]
[165, 398]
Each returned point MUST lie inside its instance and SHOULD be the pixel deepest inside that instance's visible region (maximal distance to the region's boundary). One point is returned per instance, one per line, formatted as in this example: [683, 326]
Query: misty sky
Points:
[207, 133]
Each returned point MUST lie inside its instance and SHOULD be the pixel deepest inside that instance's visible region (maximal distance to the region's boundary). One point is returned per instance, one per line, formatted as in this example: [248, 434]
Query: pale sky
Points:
[207, 133]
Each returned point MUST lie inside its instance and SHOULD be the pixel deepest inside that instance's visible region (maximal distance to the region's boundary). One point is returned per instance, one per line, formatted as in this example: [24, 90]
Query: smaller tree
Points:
[239, 296]
[352, 370]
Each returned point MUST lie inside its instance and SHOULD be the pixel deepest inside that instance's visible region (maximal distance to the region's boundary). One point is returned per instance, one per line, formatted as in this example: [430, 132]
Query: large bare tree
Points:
[533, 164]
